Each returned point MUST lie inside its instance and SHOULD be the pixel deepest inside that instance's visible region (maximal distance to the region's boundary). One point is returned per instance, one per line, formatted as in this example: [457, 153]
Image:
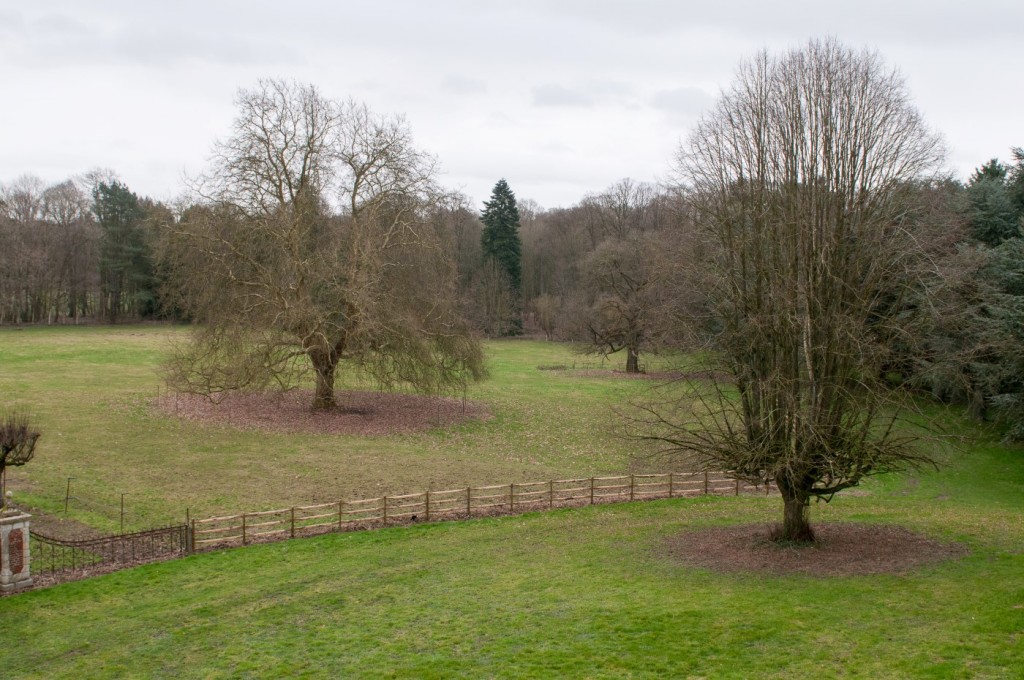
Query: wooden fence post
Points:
[705, 483]
[632, 487]
[341, 513]
[512, 497]
[551, 494]
[428, 506]
[385, 509]
[192, 538]
[243, 528]
[469, 498]
[293, 523]
[737, 486]
[670, 479]
[591, 490]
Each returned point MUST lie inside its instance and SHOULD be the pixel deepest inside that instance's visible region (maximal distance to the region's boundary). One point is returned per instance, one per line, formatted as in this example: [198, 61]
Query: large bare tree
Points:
[318, 240]
[801, 176]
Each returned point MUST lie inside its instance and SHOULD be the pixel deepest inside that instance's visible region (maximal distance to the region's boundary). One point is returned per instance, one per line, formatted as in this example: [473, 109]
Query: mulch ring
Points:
[359, 413]
[841, 549]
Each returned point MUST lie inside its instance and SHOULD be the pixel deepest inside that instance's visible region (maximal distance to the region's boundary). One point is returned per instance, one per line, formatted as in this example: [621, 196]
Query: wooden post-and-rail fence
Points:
[428, 506]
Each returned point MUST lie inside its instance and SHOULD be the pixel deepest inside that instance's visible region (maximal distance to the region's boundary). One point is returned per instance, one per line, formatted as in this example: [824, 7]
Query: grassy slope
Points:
[580, 593]
[90, 391]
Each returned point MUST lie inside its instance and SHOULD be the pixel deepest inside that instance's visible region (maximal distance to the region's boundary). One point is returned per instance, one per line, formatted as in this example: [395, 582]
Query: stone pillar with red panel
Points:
[15, 573]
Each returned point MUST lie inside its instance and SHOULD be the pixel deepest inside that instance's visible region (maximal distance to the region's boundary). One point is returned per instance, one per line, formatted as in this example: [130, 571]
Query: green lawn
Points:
[587, 593]
[572, 593]
[90, 390]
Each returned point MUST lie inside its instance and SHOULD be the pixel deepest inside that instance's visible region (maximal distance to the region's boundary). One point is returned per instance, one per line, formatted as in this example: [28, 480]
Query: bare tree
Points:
[802, 176]
[318, 241]
[17, 447]
[545, 310]
[624, 278]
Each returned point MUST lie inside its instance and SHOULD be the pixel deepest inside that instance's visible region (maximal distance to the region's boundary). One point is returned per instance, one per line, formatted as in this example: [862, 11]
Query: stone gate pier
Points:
[14, 553]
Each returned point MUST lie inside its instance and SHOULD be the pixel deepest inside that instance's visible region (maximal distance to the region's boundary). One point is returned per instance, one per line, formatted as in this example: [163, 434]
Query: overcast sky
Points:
[561, 98]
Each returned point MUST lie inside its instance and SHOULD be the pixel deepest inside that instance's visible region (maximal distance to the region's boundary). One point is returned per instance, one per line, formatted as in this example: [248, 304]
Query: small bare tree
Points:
[318, 240]
[801, 177]
[17, 447]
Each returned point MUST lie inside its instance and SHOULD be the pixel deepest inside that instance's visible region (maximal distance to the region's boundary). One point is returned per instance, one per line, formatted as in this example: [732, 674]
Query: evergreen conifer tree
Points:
[126, 269]
[500, 237]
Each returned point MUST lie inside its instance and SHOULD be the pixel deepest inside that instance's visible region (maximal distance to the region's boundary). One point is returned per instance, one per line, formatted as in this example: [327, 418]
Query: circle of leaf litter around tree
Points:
[841, 549]
[358, 413]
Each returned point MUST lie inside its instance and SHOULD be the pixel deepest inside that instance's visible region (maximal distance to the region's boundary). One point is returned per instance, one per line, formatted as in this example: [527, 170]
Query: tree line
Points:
[623, 270]
[79, 250]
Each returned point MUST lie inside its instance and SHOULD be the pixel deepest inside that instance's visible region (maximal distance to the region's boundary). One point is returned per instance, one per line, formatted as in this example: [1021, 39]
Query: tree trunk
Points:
[632, 360]
[795, 525]
[324, 365]
[978, 410]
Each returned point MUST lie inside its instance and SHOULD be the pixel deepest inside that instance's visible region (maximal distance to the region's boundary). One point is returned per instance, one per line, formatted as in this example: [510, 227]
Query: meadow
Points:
[92, 390]
[589, 592]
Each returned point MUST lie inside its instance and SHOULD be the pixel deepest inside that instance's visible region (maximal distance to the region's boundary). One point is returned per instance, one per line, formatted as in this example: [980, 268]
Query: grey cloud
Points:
[11, 22]
[462, 85]
[557, 95]
[160, 49]
[57, 40]
[682, 101]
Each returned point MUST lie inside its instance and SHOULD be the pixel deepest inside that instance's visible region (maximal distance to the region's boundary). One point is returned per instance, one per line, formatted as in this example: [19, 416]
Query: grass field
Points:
[91, 391]
[572, 593]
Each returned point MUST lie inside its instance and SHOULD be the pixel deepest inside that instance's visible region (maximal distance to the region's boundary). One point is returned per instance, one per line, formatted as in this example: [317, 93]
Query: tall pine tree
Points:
[501, 247]
[500, 237]
[126, 270]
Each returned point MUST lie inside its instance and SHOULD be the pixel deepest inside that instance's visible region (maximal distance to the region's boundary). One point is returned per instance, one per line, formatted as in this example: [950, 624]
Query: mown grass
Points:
[91, 390]
[572, 593]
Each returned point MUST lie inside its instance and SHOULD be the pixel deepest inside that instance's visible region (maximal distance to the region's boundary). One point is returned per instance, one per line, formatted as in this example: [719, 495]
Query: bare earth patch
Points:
[358, 413]
[842, 549]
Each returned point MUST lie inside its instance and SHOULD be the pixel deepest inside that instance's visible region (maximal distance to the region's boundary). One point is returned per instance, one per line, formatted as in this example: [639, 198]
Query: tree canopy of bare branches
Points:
[318, 240]
[800, 176]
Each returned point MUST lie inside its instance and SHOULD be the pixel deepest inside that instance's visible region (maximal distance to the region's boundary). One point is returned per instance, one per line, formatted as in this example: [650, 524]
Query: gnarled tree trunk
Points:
[796, 526]
[632, 360]
[325, 363]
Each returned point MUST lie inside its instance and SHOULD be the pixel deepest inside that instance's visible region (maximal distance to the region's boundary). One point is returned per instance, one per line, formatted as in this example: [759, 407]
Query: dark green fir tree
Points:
[500, 242]
[500, 237]
[126, 269]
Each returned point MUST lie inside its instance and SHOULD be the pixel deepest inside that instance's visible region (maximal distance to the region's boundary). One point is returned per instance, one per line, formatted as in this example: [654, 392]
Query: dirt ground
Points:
[64, 529]
[841, 549]
[359, 413]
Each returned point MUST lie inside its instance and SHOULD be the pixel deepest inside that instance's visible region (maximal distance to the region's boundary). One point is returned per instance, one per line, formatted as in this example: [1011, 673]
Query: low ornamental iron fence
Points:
[426, 506]
[55, 556]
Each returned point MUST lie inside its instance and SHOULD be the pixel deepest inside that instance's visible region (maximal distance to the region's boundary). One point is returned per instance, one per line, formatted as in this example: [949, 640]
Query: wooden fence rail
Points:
[428, 506]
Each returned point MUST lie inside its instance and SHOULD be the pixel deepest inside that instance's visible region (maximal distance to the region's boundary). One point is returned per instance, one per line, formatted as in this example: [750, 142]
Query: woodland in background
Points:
[620, 270]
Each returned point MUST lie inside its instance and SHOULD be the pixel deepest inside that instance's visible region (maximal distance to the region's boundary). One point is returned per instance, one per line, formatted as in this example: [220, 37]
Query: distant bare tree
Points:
[624, 277]
[802, 175]
[75, 247]
[622, 210]
[546, 309]
[318, 241]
